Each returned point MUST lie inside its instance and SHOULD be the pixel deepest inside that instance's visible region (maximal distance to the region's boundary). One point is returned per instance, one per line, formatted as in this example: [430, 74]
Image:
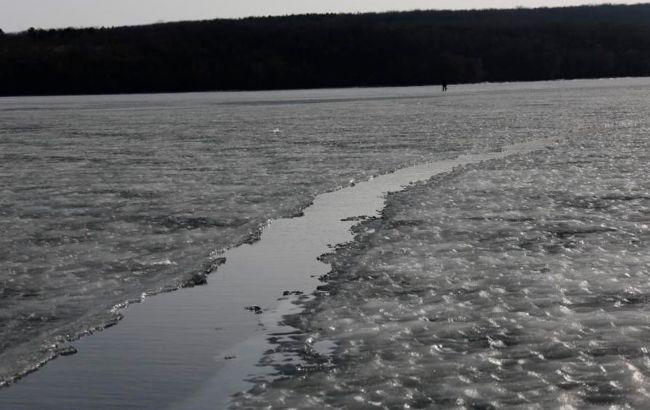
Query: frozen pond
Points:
[104, 198]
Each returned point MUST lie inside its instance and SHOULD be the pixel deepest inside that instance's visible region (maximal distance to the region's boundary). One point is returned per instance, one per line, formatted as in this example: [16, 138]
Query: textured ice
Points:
[104, 199]
[516, 283]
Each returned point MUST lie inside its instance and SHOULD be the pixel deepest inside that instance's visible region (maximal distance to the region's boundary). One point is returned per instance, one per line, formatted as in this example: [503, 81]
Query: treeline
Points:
[311, 51]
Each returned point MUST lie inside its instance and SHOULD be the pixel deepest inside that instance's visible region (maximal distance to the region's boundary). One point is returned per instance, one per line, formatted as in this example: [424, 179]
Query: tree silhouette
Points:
[311, 51]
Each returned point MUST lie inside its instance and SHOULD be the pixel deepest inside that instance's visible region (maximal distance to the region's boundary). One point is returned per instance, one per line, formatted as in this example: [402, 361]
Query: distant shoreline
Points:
[314, 51]
[435, 86]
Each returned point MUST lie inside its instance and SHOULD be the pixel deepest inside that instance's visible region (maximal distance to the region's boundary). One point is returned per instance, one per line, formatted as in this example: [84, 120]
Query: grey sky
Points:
[17, 15]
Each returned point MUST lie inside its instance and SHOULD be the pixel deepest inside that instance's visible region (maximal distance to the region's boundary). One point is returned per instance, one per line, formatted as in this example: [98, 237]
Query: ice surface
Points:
[516, 283]
[105, 198]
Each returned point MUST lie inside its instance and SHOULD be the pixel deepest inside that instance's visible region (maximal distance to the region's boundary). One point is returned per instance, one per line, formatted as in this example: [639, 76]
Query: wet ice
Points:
[499, 284]
[105, 198]
[516, 283]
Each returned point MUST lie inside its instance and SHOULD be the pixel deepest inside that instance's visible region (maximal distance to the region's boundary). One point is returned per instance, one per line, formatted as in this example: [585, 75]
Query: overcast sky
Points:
[18, 15]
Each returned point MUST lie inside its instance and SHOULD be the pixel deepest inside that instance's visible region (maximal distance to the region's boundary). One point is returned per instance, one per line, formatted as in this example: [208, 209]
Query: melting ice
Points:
[521, 282]
[104, 199]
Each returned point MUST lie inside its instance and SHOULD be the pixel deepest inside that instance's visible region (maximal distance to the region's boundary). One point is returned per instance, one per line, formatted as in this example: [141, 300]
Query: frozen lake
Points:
[515, 282]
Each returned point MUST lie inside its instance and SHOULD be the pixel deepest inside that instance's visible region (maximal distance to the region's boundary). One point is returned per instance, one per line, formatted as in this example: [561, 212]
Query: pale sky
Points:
[18, 15]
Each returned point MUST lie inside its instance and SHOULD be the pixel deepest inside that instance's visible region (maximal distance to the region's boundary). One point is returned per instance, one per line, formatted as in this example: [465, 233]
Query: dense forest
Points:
[332, 50]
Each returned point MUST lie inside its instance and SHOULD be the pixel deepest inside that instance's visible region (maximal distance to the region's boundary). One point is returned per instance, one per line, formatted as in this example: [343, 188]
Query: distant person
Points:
[444, 86]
